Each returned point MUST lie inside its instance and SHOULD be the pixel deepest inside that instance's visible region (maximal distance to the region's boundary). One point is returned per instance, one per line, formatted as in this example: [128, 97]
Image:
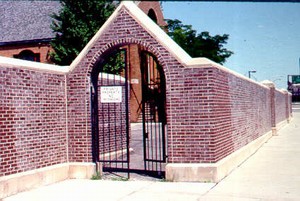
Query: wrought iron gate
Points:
[154, 116]
[110, 113]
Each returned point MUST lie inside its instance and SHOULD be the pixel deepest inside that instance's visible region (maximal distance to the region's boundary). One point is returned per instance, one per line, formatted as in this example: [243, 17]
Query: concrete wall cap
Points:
[268, 83]
[31, 65]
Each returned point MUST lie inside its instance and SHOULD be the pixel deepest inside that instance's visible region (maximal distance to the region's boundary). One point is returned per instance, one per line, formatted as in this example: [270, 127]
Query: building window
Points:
[28, 55]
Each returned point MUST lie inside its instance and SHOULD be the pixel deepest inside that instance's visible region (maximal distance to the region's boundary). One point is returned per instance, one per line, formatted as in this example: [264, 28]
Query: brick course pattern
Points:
[45, 118]
[280, 112]
[123, 30]
[32, 120]
[211, 113]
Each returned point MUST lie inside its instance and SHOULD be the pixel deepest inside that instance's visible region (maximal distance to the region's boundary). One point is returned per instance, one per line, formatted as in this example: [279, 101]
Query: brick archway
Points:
[128, 41]
[134, 70]
[121, 29]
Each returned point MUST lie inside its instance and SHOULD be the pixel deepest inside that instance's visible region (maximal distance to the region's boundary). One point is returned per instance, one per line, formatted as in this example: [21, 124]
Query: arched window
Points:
[152, 15]
[28, 55]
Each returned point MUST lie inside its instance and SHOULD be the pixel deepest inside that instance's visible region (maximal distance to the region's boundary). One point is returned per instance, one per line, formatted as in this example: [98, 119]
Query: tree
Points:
[201, 45]
[75, 25]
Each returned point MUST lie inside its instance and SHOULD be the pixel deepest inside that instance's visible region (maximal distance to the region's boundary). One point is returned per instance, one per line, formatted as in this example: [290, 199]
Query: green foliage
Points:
[96, 176]
[75, 25]
[119, 179]
[115, 64]
[201, 45]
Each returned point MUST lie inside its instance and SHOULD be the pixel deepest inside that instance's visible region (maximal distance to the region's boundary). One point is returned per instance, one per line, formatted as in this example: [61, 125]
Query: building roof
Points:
[23, 21]
[26, 20]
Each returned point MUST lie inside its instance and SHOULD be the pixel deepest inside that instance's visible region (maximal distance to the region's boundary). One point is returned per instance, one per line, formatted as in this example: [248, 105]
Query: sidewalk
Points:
[272, 173]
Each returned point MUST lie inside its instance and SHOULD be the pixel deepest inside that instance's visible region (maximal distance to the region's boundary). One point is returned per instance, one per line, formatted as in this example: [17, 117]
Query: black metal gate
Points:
[154, 116]
[110, 112]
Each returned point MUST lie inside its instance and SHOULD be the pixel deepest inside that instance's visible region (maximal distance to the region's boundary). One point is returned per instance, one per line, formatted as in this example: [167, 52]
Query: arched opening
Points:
[28, 55]
[152, 15]
[117, 85]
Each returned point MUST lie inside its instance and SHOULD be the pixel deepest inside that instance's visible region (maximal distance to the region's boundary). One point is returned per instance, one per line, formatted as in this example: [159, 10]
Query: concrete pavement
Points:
[272, 173]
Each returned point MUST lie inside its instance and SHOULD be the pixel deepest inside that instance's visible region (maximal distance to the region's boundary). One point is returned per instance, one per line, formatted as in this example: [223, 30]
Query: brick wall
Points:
[45, 118]
[214, 113]
[280, 106]
[122, 31]
[32, 120]
[211, 112]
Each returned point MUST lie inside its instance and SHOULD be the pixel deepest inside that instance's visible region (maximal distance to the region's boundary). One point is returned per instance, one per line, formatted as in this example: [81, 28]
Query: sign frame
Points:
[111, 94]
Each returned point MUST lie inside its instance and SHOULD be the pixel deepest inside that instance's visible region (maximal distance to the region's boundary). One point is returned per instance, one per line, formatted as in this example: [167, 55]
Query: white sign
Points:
[134, 81]
[111, 94]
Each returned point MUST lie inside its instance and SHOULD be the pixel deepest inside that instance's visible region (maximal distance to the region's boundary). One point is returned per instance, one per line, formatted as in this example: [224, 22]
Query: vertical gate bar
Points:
[156, 119]
[159, 113]
[144, 123]
[109, 127]
[103, 126]
[127, 115]
[121, 126]
[160, 148]
[94, 122]
[142, 58]
[152, 109]
[115, 124]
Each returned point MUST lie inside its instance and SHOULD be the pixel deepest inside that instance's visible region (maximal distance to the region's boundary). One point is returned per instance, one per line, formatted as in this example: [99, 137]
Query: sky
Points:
[264, 37]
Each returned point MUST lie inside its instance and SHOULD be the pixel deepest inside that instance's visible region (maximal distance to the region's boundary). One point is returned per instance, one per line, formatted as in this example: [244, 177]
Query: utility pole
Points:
[251, 71]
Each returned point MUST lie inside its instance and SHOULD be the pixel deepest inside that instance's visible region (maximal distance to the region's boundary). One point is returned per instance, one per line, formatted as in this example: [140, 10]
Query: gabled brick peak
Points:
[151, 27]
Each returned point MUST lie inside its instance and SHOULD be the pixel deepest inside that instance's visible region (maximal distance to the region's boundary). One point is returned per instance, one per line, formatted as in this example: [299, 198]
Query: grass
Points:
[96, 176]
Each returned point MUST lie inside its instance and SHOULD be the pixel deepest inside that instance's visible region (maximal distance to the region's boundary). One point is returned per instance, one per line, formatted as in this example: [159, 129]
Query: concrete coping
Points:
[31, 65]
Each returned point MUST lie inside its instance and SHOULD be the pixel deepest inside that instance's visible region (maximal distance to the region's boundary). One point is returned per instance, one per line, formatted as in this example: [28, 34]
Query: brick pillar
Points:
[287, 105]
[271, 85]
[290, 104]
[135, 82]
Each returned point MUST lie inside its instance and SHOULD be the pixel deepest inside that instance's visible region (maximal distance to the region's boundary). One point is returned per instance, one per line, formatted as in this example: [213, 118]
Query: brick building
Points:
[25, 27]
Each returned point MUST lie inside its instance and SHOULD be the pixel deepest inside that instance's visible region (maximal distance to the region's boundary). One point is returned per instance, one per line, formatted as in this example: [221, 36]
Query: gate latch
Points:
[146, 135]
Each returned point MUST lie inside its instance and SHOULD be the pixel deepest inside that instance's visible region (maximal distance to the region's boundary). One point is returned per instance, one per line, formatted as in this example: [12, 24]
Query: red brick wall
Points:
[210, 112]
[32, 120]
[123, 30]
[280, 106]
[250, 115]
[214, 113]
